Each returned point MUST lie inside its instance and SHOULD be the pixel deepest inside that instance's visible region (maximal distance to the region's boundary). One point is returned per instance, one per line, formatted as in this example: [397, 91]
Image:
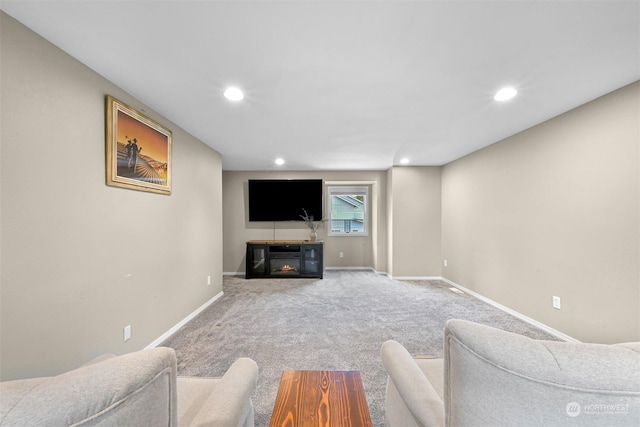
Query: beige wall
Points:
[551, 211]
[81, 260]
[366, 251]
[389, 207]
[415, 223]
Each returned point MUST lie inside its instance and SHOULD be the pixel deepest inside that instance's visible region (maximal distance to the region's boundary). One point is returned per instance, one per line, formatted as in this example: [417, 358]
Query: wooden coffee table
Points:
[321, 399]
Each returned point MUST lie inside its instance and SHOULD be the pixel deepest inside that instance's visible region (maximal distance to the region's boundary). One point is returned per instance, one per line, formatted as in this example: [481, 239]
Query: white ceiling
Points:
[349, 85]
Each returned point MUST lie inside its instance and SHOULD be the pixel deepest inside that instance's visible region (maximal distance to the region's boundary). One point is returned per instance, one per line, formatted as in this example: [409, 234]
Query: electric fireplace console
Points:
[283, 258]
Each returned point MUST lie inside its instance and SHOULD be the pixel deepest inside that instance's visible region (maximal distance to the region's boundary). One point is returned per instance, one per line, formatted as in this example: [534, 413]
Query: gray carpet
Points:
[338, 323]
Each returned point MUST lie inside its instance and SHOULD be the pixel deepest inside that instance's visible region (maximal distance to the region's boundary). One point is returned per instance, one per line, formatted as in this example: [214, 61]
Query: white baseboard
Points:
[415, 277]
[514, 313]
[183, 322]
[242, 273]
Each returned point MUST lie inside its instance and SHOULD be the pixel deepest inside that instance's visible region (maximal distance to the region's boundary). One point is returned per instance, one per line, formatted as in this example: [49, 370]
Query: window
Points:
[348, 214]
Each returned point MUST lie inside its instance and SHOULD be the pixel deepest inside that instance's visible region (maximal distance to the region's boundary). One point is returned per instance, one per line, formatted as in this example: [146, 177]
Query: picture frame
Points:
[138, 150]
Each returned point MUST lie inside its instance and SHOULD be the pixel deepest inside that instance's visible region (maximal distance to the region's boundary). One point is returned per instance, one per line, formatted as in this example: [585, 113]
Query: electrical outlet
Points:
[127, 332]
[445, 262]
[556, 303]
[208, 279]
[341, 254]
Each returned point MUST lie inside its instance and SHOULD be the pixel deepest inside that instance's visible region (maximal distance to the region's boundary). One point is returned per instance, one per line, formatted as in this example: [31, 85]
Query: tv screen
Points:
[284, 199]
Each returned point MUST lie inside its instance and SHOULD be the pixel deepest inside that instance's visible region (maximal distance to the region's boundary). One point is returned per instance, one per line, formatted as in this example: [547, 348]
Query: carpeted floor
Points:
[338, 323]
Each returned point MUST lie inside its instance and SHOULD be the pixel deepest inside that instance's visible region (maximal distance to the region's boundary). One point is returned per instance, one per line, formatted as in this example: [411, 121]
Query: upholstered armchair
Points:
[489, 377]
[135, 389]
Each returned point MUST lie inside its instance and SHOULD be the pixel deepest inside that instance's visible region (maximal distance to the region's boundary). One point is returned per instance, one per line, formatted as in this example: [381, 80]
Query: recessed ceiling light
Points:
[279, 162]
[505, 94]
[404, 161]
[233, 94]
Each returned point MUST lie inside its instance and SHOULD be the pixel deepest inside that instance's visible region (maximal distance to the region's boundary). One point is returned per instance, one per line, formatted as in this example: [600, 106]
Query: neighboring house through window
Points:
[348, 211]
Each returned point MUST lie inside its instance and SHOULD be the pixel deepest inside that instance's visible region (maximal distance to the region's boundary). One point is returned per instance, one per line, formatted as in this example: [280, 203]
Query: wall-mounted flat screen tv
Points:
[284, 199]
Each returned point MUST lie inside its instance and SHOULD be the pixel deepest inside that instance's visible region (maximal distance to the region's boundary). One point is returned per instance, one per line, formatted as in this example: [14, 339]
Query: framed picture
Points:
[138, 150]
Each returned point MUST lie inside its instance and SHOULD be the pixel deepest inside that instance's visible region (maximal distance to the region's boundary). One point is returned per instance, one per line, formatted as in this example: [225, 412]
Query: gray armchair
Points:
[490, 377]
[135, 389]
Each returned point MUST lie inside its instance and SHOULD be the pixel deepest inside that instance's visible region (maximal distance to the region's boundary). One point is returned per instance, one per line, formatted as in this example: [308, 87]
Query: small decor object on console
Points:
[313, 225]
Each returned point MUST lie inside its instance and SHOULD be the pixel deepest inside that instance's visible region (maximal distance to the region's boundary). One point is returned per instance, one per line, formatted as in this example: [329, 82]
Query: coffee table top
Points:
[321, 399]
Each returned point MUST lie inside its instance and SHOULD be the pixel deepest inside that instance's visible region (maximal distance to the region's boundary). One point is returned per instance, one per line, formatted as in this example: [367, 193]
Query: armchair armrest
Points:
[229, 403]
[417, 393]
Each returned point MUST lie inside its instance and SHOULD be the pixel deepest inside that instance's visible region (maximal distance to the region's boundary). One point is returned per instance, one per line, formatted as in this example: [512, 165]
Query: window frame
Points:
[348, 190]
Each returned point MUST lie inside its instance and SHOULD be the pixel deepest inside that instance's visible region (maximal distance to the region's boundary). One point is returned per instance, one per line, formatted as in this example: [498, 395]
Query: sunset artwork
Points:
[138, 150]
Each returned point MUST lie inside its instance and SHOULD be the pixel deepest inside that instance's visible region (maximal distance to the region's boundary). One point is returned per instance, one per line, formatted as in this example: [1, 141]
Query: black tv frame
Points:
[280, 200]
